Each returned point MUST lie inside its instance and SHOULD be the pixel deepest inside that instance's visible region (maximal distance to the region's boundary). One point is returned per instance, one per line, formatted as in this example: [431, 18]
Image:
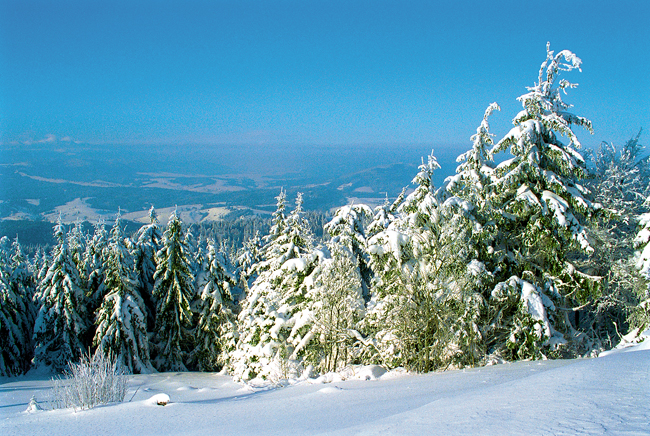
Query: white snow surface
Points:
[605, 395]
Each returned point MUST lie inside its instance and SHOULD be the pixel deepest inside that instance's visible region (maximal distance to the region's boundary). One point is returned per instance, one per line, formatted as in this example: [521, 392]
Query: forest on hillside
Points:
[545, 254]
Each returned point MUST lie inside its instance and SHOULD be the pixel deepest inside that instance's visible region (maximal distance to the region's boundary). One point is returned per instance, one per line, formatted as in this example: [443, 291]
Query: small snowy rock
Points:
[159, 400]
[370, 372]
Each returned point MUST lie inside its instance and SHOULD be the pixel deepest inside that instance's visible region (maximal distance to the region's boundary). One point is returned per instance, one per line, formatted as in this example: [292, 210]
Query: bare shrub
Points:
[94, 380]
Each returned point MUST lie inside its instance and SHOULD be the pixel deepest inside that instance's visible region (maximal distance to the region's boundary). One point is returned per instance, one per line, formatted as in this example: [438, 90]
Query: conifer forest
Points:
[535, 248]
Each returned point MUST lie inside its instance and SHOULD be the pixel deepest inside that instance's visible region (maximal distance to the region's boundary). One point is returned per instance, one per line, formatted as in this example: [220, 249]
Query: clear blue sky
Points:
[309, 71]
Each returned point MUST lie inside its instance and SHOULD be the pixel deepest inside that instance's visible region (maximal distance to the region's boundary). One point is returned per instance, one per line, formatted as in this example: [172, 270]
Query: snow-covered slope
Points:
[608, 394]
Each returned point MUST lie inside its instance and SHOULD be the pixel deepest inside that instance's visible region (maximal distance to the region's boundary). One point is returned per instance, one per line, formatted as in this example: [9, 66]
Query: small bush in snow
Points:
[94, 380]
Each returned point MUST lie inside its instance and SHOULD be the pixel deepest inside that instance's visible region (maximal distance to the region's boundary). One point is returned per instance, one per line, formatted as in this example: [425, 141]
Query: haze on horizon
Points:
[317, 72]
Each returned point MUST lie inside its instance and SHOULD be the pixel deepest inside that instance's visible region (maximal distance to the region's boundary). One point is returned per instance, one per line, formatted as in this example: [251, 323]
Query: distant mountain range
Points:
[90, 182]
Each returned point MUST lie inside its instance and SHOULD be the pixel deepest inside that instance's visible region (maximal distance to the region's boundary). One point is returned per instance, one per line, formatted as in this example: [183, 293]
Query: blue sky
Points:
[308, 71]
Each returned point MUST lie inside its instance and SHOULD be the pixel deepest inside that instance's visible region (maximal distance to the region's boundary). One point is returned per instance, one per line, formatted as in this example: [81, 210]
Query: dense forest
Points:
[545, 254]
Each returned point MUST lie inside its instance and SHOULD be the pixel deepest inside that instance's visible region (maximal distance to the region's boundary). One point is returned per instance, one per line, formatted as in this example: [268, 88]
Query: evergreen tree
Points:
[43, 265]
[11, 333]
[475, 171]
[215, 325]
[195, 253]
[40, 260]
[248, 258]
[173, 292]
[148, 240]
[274, 323]
[348, 228]
[383, 216]
[121, 331]
[642, 241]
[95, 263]
[533, 223]
[424, 312]
[16, 310]
[61, 321]
[23, 283]
[77, 246]
[620, 178]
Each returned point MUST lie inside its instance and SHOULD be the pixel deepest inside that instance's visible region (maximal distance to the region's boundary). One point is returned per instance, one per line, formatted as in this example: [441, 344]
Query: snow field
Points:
[606, 395]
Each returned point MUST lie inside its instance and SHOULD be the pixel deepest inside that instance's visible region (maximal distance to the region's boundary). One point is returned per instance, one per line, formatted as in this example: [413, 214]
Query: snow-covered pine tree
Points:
[11, 332]
[273, 242]
[383, 216]
[476, 167]
[77, 246]
[121, 324]
[40, 265]
[348, 228]
[642, 241]
[61, 321]
[95, 265]
[40, 259]
[148, 240]
[248, 258]
[21, 270]
[274, 322]
[173, 292]
[540, 206]
[424, 312]
[5, 251]
[23, 283]
[215, 331]
[195, 253]
[16, 310]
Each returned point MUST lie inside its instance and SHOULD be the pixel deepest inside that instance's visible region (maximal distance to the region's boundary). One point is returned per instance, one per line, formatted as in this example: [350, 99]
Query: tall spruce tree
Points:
[274, 323]
[348, 228]
[77, 246]
[121, 324]
[95, 263]
[61, 322]
[11, 334]
[16, 310]
[215, 331]
[23, 283]
[148, 240]
[173, 292]
[538, 207]
[248, 258]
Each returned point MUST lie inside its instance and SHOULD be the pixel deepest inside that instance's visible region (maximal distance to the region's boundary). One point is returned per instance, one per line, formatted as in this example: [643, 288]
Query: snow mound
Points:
[395, 373]
[368, 372]
[159, 400]
[354, 372]
[186, 388]
[633, 341]
[330, 390]
[33, 406]
[330, 377]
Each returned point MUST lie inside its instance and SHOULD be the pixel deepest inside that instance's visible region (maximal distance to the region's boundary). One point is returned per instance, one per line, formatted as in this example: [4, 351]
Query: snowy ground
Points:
[605, 395]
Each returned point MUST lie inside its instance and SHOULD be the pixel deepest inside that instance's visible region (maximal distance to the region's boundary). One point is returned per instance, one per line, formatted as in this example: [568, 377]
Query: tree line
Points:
[545, 254]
